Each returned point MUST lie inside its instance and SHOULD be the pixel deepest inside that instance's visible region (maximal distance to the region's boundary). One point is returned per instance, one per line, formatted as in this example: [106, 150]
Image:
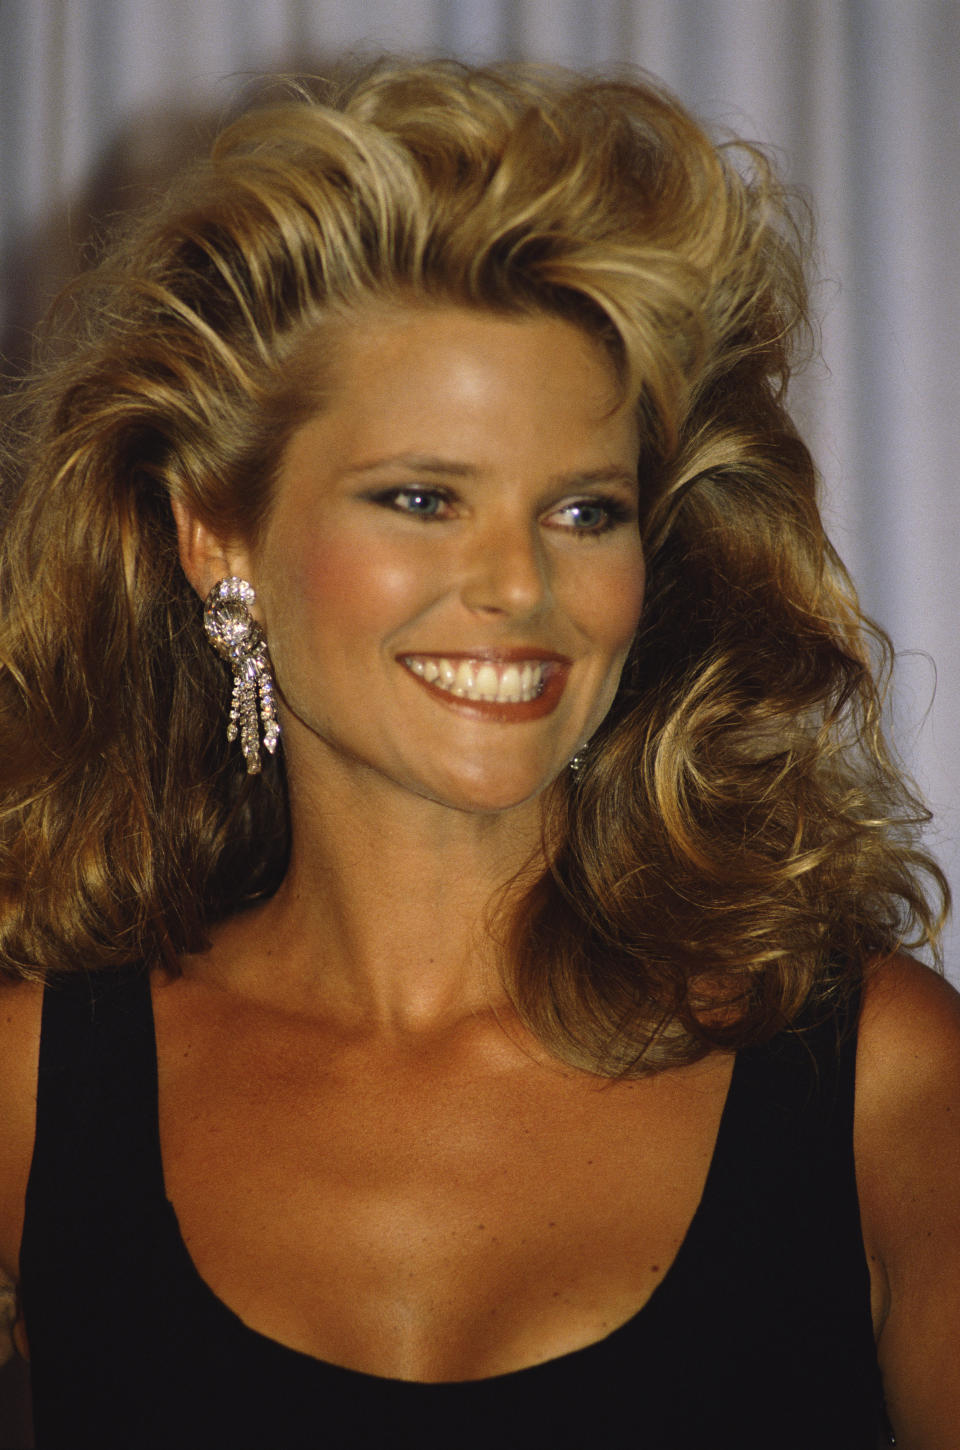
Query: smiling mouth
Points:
[500, 682]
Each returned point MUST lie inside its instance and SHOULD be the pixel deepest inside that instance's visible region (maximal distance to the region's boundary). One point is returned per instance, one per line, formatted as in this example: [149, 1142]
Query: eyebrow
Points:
[423, 463]
[416, 463]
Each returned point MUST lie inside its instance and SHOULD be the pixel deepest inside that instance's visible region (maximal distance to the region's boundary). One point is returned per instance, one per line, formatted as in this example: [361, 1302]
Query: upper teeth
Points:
[480, 679]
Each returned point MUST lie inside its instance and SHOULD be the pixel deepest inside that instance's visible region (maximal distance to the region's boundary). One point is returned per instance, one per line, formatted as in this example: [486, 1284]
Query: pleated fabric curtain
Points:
[861, 98]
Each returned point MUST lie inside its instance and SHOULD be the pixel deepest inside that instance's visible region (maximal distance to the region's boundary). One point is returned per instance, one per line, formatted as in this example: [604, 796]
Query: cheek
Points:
[341, 590]
[615, 603]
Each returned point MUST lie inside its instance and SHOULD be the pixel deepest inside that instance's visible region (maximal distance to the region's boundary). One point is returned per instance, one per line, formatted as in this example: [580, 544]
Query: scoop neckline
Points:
[276, 1346]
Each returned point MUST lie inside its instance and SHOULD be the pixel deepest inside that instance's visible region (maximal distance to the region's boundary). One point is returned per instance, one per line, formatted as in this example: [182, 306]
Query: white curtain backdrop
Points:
[860, 97]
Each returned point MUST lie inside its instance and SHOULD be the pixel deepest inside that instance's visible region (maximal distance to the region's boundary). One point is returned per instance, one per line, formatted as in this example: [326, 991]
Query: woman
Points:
[464, 1054]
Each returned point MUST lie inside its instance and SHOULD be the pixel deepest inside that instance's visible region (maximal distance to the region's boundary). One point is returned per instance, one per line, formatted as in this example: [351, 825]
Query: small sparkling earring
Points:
[236, 635]
[576, 762]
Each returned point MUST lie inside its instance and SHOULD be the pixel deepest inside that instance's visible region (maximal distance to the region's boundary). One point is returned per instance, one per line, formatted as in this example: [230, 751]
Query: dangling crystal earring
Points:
[575, 763]
[236, 635]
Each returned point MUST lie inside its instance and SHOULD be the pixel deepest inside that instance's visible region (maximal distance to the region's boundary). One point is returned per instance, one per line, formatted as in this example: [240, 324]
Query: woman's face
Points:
[450, 574]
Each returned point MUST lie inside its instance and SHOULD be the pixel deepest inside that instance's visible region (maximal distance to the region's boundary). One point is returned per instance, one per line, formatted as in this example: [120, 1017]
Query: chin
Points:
[490, 796]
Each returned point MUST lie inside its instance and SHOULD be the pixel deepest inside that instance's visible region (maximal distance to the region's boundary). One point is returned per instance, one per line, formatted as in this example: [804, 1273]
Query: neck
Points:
[384, 917]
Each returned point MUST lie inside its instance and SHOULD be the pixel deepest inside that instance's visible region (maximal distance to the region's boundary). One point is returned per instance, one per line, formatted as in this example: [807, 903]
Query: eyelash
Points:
[388, 498]
[615, 511]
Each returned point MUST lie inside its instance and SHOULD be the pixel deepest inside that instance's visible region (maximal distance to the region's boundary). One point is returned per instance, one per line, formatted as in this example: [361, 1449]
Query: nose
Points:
[507, 571]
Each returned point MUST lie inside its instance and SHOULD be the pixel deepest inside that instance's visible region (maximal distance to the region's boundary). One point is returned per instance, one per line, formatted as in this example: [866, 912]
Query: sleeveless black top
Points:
[759, 1337]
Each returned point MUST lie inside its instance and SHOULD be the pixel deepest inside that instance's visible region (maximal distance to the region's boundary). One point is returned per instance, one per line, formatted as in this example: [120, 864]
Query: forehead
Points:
[466, 381]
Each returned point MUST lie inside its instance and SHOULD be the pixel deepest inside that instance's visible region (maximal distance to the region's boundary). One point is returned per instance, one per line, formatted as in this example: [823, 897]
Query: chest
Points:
[445, 1214]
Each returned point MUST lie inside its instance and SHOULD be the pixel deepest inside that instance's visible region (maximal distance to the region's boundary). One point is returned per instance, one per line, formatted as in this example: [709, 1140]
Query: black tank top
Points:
[759, 1337]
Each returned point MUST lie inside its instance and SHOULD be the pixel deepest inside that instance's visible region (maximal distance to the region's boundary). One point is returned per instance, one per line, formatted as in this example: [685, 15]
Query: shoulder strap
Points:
[96, 1178]
[96, 1214]
[771, 1286]
[97, 1088]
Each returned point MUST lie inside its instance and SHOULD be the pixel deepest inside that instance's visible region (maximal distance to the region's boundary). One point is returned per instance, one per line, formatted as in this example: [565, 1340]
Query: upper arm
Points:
[908, 1170]
[20, 1008]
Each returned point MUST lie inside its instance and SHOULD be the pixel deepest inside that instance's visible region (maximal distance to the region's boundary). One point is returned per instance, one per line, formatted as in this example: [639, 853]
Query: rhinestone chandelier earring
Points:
[236, 635]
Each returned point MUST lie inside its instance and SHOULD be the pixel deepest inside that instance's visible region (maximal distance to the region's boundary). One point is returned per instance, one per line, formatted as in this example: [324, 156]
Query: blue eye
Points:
[593, 515]
[417, 503]
[589, 516]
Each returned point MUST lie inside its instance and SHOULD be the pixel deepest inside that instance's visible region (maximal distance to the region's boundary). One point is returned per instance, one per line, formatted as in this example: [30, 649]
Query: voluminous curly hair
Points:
[737, 842]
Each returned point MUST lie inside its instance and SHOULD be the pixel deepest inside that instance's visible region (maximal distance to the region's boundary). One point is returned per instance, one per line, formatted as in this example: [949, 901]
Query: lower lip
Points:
[502, 712]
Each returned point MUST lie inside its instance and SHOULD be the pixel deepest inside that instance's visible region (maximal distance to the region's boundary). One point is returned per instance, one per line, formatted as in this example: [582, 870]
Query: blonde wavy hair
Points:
[737, 842]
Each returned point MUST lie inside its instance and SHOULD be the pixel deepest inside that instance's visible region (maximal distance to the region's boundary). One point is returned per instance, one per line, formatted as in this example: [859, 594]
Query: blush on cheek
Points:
[333, 579]
[350, 585]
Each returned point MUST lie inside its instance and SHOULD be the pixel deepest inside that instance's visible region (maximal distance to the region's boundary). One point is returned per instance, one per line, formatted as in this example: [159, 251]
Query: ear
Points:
[204, 556]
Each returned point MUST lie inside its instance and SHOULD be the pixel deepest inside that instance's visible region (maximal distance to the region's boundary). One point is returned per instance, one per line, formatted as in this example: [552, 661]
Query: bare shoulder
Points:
[908, 1086]
[20, 1008]
[908, 1171]
[909, 1013]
